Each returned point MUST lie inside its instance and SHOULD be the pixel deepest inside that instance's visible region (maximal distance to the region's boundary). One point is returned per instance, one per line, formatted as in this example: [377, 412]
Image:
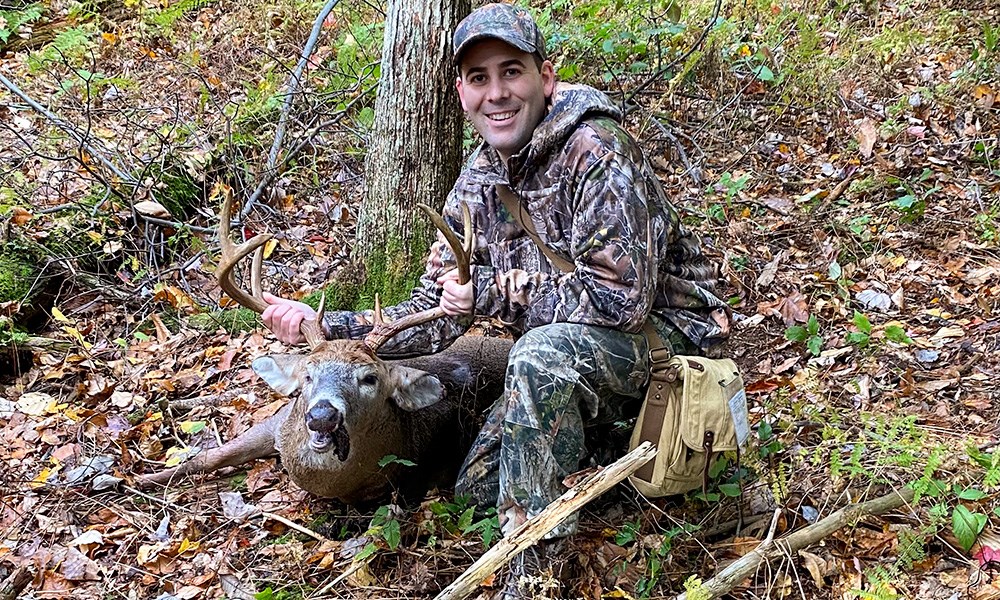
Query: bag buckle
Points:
[658, 356]
[660, 368]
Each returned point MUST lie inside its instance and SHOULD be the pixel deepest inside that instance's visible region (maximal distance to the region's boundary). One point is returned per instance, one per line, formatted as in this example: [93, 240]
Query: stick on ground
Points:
[769, 550]
[536, 527]
[10, 588]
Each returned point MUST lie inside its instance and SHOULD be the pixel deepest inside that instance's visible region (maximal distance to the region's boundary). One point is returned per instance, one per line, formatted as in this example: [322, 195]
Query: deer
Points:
[348, 409]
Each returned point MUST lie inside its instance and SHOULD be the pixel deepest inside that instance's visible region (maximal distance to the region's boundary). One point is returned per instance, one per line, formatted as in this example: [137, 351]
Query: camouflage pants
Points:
[559, 378]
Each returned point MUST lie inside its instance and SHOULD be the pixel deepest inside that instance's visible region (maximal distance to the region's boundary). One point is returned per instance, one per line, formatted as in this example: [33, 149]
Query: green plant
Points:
[655, 562]
[12, 20]
[990, 461]
[860, 337]
[163, 19]
[608, 41]
[768, 442]
[10, 334]
[458, 518]
[695, 589]
[70, 46]
[731, 186]
[991, 41]
[913, 201]
[809, 335]
[384, 526]
[270, 593]
[967, 525]
[987, 224]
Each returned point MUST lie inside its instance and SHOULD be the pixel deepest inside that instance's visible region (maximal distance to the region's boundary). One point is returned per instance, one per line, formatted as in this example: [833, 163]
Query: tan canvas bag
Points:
[695, 407]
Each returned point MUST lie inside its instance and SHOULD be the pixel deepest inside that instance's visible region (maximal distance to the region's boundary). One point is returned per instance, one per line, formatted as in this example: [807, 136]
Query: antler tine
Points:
[381, 331]
[461, 248]
[233, 254]
[377, 317]
[312, 329]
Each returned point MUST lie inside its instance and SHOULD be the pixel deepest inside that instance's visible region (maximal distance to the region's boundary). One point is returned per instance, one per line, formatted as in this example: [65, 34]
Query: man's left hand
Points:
[456, 298]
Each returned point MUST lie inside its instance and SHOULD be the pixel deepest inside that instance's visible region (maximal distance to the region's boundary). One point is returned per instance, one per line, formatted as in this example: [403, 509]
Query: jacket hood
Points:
[570, 104]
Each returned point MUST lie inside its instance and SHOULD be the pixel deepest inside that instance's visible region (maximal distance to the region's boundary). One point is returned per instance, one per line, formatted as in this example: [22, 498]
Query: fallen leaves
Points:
[866, 136]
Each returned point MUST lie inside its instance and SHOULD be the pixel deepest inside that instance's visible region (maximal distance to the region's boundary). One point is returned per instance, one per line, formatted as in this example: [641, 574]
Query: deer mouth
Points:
[335, 440]
[326, 430]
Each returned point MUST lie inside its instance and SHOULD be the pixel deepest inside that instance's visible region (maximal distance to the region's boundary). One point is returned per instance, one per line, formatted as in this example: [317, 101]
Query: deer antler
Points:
[381, 331]
[254, 299]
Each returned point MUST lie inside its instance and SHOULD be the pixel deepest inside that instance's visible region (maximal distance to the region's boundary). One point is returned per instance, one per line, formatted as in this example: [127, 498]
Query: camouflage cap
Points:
[504, 22]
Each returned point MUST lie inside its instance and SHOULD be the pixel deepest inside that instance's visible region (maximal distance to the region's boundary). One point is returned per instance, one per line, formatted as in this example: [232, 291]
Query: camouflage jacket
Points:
[594, 200]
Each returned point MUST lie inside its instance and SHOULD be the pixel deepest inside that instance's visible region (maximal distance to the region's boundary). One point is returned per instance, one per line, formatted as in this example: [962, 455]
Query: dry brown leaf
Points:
[984, 95]
[786, 365]
[866, 136]
[817, 567]
[188, 592]
[741, 546]
[77, 567]
[362, 577]
[20, 216]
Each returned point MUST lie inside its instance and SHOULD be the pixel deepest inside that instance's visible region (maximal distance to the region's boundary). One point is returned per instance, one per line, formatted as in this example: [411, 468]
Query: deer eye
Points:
[307, 379]
[369, 379]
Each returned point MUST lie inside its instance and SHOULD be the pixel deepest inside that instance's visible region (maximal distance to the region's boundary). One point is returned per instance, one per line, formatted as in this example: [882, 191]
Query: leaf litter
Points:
[905, 243]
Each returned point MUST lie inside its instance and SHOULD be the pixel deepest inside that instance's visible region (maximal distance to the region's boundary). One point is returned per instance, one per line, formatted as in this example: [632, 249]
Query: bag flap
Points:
[713, 393]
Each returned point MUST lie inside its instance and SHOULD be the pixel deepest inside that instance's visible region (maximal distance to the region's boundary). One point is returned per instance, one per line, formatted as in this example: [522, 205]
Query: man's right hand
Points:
[283, 318]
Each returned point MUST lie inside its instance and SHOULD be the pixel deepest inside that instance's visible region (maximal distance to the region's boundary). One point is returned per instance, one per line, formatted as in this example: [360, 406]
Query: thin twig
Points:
[70, 130]
[293, 525]
[293, 86]
[354, 568]
[683, 57]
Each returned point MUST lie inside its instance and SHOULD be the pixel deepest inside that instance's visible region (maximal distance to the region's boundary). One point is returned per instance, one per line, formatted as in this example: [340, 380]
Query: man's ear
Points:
[548, 78]
[278, 371]
[413, 389]
[461, 91]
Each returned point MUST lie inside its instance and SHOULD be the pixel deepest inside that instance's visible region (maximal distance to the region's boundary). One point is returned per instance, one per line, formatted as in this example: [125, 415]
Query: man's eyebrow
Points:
[514, 62]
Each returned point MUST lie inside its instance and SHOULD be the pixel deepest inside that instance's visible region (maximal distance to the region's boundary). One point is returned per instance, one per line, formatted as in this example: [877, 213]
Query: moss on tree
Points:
[17, 274]
[390, 275]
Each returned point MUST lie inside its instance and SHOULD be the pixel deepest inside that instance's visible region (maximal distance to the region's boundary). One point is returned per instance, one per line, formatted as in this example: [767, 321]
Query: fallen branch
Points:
[10, 588]
[836, 192]
[731, 576]
[44, 343]
[533, 529]
[70, 131]
[293, 89]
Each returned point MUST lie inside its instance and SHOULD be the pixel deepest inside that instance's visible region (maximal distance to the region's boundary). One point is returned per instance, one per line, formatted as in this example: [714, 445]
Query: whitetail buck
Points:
[351, 408]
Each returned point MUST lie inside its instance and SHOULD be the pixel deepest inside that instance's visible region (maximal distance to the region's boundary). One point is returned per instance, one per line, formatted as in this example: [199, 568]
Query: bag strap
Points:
[513, 205]
[659, 353]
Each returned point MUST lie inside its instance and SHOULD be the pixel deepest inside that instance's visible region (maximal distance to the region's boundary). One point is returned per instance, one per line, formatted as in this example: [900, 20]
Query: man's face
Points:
[503, 93]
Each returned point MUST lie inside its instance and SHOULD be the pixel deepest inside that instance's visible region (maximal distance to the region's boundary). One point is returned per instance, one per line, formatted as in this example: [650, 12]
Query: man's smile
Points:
[502, 116]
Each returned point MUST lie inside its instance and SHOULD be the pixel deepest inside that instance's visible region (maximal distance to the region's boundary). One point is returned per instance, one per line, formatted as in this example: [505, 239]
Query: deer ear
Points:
[278, 370]
[414, 389]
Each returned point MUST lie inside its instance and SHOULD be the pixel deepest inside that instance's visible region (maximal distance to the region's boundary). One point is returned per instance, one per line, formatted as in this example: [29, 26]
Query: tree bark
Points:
[415, 147]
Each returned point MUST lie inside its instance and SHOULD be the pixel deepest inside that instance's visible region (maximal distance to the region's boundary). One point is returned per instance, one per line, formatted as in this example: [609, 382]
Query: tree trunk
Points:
[415, 148]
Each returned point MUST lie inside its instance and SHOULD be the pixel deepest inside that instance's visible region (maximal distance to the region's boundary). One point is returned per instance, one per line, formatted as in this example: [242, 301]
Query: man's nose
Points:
[498, 90]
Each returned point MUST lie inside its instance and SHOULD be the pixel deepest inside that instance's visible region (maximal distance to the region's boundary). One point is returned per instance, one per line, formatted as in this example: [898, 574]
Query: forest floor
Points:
[842, 165]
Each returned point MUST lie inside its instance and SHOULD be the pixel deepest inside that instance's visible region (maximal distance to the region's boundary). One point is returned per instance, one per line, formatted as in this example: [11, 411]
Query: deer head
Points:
[342, 385]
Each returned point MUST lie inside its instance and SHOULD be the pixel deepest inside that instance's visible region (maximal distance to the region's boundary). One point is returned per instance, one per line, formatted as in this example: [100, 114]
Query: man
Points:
[585, 187]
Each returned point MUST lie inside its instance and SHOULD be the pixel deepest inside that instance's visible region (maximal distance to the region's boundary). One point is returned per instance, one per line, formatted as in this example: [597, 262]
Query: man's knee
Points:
[555, 344]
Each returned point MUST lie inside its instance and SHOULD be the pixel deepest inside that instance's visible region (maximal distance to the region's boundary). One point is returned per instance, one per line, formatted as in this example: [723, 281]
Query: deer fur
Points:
[348, 409]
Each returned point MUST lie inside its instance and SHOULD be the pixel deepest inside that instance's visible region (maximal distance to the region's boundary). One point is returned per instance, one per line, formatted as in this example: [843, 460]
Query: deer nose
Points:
[324, 417]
